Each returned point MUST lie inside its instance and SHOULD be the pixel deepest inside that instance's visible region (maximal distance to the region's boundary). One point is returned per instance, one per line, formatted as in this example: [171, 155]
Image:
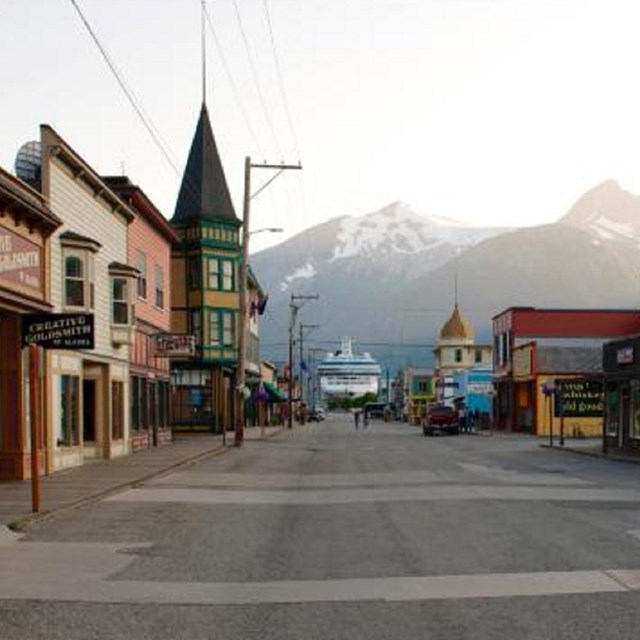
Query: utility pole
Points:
[243, 286]
[294, 308]
[312, 360]
[302, 328]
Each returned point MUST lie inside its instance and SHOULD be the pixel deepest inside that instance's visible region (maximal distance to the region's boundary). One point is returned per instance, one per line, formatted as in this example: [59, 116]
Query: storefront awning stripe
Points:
[275, 395]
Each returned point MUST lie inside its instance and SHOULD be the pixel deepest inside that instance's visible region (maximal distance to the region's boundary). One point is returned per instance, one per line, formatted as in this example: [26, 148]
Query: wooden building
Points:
[26, 224]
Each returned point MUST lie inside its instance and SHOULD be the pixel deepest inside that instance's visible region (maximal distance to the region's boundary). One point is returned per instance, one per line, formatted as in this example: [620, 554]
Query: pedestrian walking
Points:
[356, 418]
[366, 419]
[462, 420]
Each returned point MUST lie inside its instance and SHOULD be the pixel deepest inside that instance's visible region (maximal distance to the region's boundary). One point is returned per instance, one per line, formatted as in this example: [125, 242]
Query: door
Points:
[89, 411]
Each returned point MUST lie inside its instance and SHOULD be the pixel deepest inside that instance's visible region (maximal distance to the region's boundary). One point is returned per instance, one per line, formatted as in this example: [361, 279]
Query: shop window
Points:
[117, 410]
[635, 409]
[69, 411]
[136, 423]
[613, 411]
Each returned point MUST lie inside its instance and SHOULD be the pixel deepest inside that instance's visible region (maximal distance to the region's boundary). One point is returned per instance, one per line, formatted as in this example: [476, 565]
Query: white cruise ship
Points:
[345, 375]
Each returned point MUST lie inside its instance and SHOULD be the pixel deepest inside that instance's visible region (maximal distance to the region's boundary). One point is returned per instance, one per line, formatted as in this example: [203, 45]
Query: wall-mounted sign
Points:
[175, 345]
[578, 399]
[20, 261]
[624, 355]
[58, 330]
[522, 362]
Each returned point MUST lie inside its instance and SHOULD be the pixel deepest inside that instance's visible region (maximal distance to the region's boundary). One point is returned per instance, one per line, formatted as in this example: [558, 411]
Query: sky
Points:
[493, 112]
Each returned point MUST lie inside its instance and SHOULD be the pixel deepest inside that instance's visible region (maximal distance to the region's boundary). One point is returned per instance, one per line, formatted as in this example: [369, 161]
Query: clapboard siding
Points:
[87, 215]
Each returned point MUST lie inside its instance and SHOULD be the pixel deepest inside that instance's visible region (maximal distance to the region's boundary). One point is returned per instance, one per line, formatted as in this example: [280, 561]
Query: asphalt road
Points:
[328, 533]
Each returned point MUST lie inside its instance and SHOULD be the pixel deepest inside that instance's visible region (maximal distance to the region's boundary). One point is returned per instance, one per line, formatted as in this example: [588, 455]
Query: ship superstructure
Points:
[344, 374]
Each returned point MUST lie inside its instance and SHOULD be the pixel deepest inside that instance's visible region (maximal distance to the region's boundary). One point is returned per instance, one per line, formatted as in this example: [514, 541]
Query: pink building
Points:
[149, 250]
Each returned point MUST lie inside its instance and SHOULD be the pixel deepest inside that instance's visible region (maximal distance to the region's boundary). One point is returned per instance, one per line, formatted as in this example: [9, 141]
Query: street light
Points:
[242, 285]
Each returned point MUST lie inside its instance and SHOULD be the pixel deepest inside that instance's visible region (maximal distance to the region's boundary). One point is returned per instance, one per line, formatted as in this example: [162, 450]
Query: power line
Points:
[256, 81]
[146, 121]
[234, 88]
[283, 93]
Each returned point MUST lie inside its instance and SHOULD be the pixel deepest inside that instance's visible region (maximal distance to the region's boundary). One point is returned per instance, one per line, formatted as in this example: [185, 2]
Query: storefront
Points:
[622, 394]
[25, 226]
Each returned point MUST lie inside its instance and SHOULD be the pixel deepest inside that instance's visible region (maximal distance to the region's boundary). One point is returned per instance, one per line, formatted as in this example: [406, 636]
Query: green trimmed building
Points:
[204, 289]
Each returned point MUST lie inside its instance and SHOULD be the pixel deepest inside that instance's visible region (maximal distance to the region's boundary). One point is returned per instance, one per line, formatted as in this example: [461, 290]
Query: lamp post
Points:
[242, 285]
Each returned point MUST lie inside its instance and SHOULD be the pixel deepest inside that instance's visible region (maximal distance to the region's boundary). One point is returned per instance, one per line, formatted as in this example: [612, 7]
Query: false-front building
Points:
[26, 223]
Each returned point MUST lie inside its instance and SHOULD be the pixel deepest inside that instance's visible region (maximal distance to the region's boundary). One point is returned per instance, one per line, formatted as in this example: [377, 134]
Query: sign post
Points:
[36, 427]
[69, 331]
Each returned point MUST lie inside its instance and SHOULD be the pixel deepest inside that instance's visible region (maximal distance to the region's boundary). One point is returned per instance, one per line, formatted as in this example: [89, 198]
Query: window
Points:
[195, 326]
[159, 287]
[74, 281]
[117, 410]
[227, 275]
[214, 329]
[478, 356]
[458, 355]
[142, 278]
[213, 274]
[228, 330]
[120, 301]
[69, 410]
[194, 272]
[635, 409]
[137, 386]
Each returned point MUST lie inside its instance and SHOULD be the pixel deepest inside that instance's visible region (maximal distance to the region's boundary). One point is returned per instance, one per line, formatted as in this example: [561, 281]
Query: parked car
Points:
[316, 414]
[440, 418]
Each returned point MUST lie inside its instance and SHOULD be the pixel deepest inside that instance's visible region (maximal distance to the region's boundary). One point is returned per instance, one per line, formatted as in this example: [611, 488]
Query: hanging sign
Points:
[175, 345]
[58, 330]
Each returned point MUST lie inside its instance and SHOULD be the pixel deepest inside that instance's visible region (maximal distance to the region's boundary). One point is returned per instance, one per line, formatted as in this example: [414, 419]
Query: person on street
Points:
[356, 418]
[462, 420]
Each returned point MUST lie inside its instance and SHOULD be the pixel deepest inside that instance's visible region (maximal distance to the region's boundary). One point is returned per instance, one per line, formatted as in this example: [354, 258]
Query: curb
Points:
[593, 454]
[21, 524]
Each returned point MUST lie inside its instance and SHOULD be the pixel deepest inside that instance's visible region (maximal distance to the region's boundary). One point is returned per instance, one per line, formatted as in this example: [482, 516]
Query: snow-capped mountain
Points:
[396, 230]
[393, 241]
[387, 278]
[607, 212]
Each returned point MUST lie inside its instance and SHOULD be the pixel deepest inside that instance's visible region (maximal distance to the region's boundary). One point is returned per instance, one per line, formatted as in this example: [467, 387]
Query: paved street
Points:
[325, 532]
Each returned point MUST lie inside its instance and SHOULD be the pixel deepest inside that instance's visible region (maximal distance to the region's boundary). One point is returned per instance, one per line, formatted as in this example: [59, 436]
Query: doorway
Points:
[89, 411]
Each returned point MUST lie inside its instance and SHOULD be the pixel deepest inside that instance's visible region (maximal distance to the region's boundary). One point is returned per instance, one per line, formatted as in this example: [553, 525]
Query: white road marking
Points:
[80, 572]
[381, 494]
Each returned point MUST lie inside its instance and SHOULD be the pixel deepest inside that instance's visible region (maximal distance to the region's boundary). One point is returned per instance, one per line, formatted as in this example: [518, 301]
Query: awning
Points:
[275, 395]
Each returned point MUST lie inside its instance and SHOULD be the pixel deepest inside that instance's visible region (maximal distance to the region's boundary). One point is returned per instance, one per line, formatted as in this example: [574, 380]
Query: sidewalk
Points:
[593, 447]
[94, 480]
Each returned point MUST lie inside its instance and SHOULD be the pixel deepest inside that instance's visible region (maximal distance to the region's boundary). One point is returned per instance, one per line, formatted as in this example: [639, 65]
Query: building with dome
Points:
[456, 351]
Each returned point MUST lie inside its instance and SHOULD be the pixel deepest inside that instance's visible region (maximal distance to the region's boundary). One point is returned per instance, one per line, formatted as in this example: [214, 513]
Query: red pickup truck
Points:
[441, 419]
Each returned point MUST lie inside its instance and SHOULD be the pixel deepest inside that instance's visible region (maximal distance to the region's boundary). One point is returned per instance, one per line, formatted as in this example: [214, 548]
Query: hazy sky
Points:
[497, 112]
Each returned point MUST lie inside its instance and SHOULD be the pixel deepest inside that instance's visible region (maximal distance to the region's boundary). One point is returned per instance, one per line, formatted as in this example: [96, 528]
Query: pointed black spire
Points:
[204, 192]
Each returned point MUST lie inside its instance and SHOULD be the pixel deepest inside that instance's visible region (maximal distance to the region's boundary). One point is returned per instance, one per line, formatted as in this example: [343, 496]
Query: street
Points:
[325, 532]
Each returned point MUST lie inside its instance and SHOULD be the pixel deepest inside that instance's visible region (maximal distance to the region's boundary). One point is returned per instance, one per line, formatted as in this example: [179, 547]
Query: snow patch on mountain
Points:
[607, 228]
[304, 272]
[397, 230]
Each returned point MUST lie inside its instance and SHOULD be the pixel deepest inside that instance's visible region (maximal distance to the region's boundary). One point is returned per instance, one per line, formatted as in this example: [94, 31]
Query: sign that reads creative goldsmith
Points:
[58, 330]
[20, 260]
